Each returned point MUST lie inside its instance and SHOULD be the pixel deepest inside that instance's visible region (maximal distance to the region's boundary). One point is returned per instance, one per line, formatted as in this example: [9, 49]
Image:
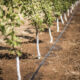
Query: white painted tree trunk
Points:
[65, 17]
[72, 7]
[18, 68]
[77, 2]
[71, 10]
[68, 12]
[38, 51]
[62, 19]
[51, 37]
[57, 25]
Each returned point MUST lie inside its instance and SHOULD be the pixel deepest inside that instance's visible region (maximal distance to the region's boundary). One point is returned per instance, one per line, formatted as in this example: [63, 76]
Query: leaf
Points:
[2, 29]
[19, 53]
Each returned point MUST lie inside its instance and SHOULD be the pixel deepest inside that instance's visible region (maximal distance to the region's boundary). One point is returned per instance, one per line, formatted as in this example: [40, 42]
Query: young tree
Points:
[47, 7]
[58, 11]
[9, 20]
[36, 18]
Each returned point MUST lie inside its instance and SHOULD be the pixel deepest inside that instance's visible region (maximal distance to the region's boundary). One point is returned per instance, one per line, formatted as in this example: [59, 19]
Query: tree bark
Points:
[62, 19]
[51, 37]
[18, 68]
[37, 42]
[68, 12]
[57, 25]
[65, 17]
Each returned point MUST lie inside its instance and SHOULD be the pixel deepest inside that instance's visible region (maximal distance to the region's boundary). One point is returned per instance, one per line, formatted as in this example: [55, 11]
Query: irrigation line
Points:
[49, 52]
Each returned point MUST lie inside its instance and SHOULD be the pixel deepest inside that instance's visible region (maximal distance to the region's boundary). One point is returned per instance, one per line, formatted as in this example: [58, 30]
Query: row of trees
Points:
[41, 13]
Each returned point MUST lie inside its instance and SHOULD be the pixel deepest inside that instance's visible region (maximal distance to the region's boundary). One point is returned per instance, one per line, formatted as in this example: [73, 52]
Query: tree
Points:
[9, 20]
[47, 7]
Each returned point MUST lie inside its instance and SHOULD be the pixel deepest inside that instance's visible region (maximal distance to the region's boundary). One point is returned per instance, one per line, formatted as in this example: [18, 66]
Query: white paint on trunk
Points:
[18, 68]
[57, 25]
[72, 7]
[65, 17]
[51, 37]
[62, 19]
[77, 3]
[38, 51]
[68, 12]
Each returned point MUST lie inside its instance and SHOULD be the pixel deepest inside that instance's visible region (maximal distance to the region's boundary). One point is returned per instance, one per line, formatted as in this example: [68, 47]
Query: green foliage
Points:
[58, 7]
[61, 6]
[66, 5]
[39, 12]
[36, 14]
[47, 7]
[8, 21]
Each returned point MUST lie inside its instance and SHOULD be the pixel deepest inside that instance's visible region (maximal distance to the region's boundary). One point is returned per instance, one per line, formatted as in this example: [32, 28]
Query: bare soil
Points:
[65, 65]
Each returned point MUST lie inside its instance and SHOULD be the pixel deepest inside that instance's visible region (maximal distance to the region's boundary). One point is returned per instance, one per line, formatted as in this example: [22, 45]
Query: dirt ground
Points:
[65, 65]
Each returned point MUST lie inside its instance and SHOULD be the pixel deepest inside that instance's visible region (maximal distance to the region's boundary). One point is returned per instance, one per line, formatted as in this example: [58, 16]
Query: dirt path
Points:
[64, 66]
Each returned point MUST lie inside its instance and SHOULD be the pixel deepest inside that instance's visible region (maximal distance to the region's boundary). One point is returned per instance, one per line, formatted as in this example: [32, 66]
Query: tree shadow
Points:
[31, 41]
[4, 48]
[11, 56]
[1, 71]
[26, 37]
[1, 78]
[46, 30]
[29, 31]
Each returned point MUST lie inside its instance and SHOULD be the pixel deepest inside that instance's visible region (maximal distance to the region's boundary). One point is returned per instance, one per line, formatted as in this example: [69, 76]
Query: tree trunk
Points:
[37, 39]
[71, 10]
[68, 12]
[51, 37]
[62, 19]
[57, 25]
[72, 7]
[18, 68]
[65, 17]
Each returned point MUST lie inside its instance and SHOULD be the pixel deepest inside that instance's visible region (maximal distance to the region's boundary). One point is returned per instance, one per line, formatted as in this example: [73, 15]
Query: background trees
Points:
[39, 12]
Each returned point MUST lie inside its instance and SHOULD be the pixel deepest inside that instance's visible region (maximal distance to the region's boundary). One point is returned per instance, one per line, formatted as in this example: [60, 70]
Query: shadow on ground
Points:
[4, 48]
[1, 73]
[30, 39]
[1, 78]
[10, 56]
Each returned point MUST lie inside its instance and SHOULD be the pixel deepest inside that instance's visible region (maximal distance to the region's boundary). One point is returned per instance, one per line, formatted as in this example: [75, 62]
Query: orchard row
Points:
[41, 13]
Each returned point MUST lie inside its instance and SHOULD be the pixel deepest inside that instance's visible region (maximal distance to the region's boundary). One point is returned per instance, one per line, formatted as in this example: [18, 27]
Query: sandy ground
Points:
[65, 65]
